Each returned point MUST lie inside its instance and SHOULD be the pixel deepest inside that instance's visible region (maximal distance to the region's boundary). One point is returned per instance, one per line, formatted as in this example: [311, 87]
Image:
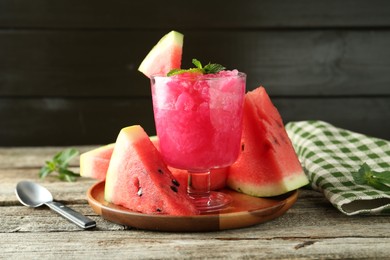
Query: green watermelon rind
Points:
[291, 183]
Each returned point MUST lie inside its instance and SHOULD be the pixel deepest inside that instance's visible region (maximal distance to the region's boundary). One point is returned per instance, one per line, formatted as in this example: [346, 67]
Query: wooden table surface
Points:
[311, 229]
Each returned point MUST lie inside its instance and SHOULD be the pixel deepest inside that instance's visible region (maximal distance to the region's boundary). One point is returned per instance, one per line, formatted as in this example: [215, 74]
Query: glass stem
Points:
[199, 185]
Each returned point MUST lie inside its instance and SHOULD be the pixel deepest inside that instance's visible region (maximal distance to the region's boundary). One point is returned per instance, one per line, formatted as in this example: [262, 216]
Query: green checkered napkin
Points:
[331, 155]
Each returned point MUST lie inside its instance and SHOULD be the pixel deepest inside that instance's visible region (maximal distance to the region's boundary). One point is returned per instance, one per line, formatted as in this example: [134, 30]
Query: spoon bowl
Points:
[31, 194]
[34, 195]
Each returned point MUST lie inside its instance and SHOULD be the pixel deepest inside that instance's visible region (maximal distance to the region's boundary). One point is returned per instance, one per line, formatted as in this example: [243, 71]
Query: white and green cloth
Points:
[330, 156]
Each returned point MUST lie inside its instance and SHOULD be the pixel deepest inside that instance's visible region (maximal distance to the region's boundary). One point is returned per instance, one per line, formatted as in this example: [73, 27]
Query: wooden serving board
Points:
[244, 211]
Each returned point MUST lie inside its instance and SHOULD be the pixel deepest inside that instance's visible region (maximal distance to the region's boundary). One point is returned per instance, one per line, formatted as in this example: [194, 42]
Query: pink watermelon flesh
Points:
[139, 180]
[268, 164]
[94, 164]
[164, 56]
[217, 178]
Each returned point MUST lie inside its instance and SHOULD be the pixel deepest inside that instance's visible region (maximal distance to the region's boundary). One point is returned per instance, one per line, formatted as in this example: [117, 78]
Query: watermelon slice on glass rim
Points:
[164, 56]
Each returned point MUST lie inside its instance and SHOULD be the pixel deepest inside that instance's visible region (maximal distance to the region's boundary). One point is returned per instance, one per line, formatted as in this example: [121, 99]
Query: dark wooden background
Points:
[68, 68]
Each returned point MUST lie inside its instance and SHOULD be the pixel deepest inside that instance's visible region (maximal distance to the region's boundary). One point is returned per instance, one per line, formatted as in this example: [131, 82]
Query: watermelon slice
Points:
[94, 164]
[139, 180]
[164, 56]
[268, 164]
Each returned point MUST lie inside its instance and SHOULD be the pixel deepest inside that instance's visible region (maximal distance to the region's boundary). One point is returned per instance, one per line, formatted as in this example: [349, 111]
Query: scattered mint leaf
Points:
[360, 175]
[63, 158]
[45, 170]
[67, 175]
[382, 176]
[60, 164]
[378, 180]
[211, 68]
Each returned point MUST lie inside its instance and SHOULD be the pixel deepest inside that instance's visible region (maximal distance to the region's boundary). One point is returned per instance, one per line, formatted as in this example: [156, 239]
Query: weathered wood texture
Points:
[104, 63]
[151, 14]
[311, 229]
[68, 69]
[98, 120]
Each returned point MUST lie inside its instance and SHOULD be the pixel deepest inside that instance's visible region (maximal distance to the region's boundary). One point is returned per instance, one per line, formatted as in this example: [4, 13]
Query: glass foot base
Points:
[214, 202]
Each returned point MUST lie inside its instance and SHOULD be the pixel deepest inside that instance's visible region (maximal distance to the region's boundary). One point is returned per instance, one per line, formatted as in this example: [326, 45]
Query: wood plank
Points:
[363, 115]
[64, 122]
[52, 121]
[310, 217]
[174, 13]
[104, 63]
[19, 159]
[68, 192]
[303, 230]
[122, 245]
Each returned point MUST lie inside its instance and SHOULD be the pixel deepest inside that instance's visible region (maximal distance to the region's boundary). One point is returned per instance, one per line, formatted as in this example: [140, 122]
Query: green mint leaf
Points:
[197, 63]
[51, 165]
[379, 185]
[210, 68]
[360, 175]
[213, 68]
[59, 164]
[378, 180]
[44, 171]
[383, 177]
[174, 72]
[64, 157]
[179, 71]
[67, 175]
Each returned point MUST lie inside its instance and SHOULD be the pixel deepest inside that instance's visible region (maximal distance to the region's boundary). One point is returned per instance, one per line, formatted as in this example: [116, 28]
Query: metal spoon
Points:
[34, 195]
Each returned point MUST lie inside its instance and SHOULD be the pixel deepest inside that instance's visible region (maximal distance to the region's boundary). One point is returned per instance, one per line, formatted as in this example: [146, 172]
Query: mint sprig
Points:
[60, 164]
[378, 180]
[210, 68]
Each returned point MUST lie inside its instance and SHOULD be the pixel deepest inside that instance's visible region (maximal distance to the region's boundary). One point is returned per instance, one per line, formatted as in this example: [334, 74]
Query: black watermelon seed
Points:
[242, 147]
[158, 210]
[160, 171]
[174, 188]
[175, 182]
[267, 146]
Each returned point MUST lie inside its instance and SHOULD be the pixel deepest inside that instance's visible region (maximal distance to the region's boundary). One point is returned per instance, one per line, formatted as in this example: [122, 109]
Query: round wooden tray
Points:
[244, 211]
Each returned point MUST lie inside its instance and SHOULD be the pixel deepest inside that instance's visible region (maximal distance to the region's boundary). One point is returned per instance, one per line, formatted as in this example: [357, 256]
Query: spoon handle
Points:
[68, 213]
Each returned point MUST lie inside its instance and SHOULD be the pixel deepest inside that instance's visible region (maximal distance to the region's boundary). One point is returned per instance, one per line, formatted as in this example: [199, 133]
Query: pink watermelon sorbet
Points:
[199, 118]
